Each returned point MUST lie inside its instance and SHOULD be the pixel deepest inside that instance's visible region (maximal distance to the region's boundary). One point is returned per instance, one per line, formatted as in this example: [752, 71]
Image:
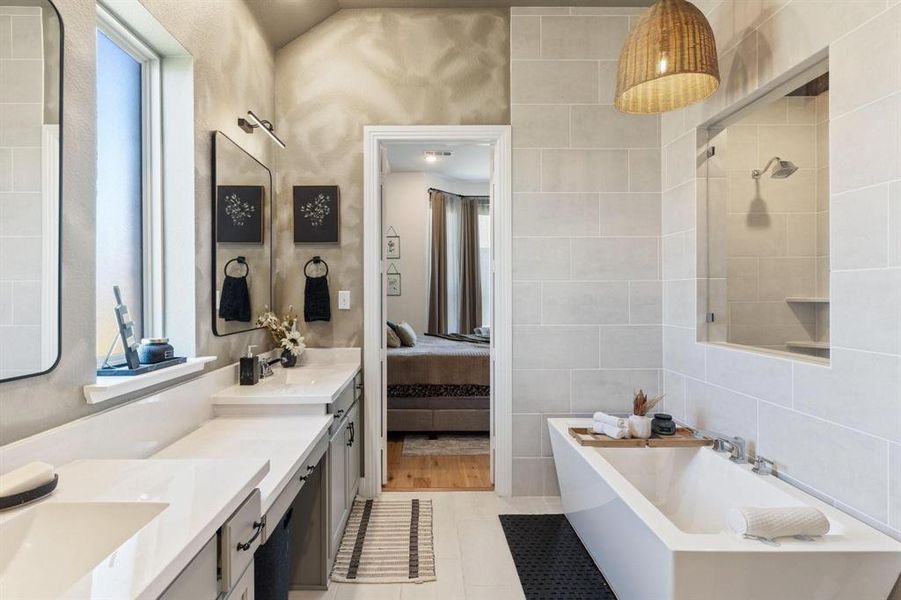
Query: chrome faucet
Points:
[266, 367]
[735, 446]
[763, 466]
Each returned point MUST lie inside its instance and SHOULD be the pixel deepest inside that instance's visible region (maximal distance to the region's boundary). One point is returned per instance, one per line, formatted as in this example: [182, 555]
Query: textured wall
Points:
[833, 428]
[586, 232]
[373, 67]
[233, 72]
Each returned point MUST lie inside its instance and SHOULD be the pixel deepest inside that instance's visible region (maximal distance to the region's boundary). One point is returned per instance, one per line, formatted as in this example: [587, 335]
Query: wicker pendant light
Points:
[668, 61]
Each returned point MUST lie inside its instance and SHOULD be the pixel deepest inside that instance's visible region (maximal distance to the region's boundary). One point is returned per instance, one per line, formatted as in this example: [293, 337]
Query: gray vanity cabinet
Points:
[338, 505]
[345, 462]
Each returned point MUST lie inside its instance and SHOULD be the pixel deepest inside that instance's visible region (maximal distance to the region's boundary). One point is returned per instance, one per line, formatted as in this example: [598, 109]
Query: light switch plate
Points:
[344, 300]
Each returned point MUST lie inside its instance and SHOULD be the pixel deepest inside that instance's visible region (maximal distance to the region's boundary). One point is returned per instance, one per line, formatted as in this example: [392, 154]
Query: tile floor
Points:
[471, 554]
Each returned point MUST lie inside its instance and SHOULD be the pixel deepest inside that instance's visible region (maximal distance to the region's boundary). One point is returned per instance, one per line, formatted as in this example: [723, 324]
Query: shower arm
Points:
[757, 173]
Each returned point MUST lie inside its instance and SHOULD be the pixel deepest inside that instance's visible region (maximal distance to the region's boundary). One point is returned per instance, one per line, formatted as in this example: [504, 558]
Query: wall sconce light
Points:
[252, 122]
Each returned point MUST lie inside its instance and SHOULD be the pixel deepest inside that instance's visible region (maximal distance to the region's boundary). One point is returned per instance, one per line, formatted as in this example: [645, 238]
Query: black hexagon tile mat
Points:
[551, 561]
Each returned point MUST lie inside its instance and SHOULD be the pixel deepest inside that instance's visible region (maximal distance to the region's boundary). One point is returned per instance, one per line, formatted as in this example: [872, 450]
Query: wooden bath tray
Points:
[683, 438]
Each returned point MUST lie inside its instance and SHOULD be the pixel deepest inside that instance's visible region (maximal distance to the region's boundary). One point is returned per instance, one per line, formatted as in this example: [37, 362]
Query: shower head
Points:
[783, 169]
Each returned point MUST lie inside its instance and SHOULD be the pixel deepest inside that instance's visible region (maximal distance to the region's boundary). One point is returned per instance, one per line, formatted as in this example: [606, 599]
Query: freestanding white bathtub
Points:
[654, 521]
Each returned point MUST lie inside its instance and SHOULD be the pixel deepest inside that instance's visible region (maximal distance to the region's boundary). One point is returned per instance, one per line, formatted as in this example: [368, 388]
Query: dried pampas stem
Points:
[642, 405]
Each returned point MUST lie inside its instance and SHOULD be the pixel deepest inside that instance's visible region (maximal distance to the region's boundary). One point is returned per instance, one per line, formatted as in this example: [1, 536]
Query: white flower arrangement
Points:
[283, 331]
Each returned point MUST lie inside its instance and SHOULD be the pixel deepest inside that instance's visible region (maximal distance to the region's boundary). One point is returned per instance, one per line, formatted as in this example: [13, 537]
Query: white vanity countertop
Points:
[200, 495]
[320, 379]
[286, 441]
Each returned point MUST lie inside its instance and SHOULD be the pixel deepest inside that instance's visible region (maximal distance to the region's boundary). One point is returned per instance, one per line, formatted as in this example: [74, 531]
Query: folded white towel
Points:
[772, 523]
[25, 478]
[601, 417]
[616, 433]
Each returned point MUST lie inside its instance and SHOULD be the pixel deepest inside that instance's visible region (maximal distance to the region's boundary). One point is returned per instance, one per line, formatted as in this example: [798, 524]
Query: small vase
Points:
[288, 359]
[640, 427]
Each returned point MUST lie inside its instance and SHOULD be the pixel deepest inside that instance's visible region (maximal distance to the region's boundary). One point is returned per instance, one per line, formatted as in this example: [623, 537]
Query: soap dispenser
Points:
[250, 368]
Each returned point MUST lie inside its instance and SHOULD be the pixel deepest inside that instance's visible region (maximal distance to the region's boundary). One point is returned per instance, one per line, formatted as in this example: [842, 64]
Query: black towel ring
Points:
[241, 261]
[316, 260]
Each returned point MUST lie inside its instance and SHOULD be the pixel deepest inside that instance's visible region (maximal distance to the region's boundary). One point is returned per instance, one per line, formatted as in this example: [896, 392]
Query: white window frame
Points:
[151, 168]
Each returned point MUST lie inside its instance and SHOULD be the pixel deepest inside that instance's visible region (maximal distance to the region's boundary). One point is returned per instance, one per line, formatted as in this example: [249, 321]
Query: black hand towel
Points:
[316, 303]
[234, 303]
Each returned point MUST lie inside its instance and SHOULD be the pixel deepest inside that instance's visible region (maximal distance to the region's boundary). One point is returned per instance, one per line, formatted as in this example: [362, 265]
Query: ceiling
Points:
[470, 162]
[284, 20]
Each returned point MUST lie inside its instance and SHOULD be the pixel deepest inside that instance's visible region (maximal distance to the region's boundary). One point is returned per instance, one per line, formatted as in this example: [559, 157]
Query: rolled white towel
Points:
[610, 431]
[601, 417]
[25, 478]
[772, 523]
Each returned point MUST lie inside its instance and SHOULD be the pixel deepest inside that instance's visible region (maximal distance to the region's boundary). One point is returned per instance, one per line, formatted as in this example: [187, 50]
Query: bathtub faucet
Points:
[735, 446]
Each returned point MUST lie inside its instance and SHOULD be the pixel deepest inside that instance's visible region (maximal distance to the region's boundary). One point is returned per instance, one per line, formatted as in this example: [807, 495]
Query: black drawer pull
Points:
[339, 414]
[302, 478]
[258, 525]
[311, 468]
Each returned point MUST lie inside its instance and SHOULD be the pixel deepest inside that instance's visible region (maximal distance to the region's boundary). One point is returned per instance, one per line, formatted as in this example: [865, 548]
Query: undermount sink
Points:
[308, 384]
[49, 547]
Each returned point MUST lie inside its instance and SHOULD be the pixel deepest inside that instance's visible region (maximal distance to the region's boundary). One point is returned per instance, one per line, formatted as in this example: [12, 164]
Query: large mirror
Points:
[30, 194]
[242, 237]
[768, 224]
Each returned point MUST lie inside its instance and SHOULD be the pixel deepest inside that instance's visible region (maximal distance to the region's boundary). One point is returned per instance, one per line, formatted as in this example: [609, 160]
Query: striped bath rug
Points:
[387, 541]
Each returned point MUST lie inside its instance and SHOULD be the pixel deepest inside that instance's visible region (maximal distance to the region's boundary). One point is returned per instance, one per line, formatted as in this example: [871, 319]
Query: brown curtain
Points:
[438, 265]
[470, 278]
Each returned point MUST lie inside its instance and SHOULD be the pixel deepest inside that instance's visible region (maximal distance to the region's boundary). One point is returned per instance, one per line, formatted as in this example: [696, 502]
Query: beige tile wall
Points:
[832, 428]
[586, 227]
[768, 238]
[21, 247]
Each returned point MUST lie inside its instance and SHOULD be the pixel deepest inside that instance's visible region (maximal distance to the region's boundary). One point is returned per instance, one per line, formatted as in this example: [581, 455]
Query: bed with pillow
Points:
[438, 383]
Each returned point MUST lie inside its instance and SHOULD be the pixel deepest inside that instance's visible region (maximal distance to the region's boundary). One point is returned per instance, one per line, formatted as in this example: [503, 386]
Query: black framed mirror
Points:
[31, 64]
[242, 237]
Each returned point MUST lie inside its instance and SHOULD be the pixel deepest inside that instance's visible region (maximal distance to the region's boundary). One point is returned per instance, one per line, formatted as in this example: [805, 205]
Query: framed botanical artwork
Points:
[393, 277]
[316, 214]
[239, 214]
[392, 244]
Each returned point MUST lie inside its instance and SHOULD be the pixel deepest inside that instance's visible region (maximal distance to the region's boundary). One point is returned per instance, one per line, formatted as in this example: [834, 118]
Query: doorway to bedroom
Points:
[436, 340]
[436, 213]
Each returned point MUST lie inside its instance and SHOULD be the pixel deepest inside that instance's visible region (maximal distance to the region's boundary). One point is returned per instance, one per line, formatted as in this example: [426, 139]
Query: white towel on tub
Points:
[601, 417]
[616, 433]
[772, 523]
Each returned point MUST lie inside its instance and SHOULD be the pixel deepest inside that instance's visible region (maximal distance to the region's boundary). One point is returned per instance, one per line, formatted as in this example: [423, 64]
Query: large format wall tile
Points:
[585, 303]
[820, 423]
[583, 36]
[556, 214]
[554, 81]
[587, 221]
[615, 258]
[584, 170]
[556, 347]
[611, 390]
[848, 465]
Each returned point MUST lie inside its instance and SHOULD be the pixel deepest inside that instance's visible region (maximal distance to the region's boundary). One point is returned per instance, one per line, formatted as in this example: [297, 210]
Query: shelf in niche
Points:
[808, 345]
[807, 300]
[107, 388]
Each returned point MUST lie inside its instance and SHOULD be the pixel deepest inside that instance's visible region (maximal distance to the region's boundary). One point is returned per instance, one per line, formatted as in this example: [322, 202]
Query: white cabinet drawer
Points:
[239, 539]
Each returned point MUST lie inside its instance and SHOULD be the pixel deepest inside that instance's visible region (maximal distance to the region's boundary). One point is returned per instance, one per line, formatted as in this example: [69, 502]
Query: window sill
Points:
[108, 388]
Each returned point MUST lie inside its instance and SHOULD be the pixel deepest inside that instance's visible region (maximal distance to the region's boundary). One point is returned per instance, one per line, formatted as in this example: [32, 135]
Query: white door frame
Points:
[498, 136]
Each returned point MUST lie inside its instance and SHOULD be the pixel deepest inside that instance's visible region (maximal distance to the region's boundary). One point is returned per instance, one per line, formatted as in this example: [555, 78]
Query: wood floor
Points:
[436, 473]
